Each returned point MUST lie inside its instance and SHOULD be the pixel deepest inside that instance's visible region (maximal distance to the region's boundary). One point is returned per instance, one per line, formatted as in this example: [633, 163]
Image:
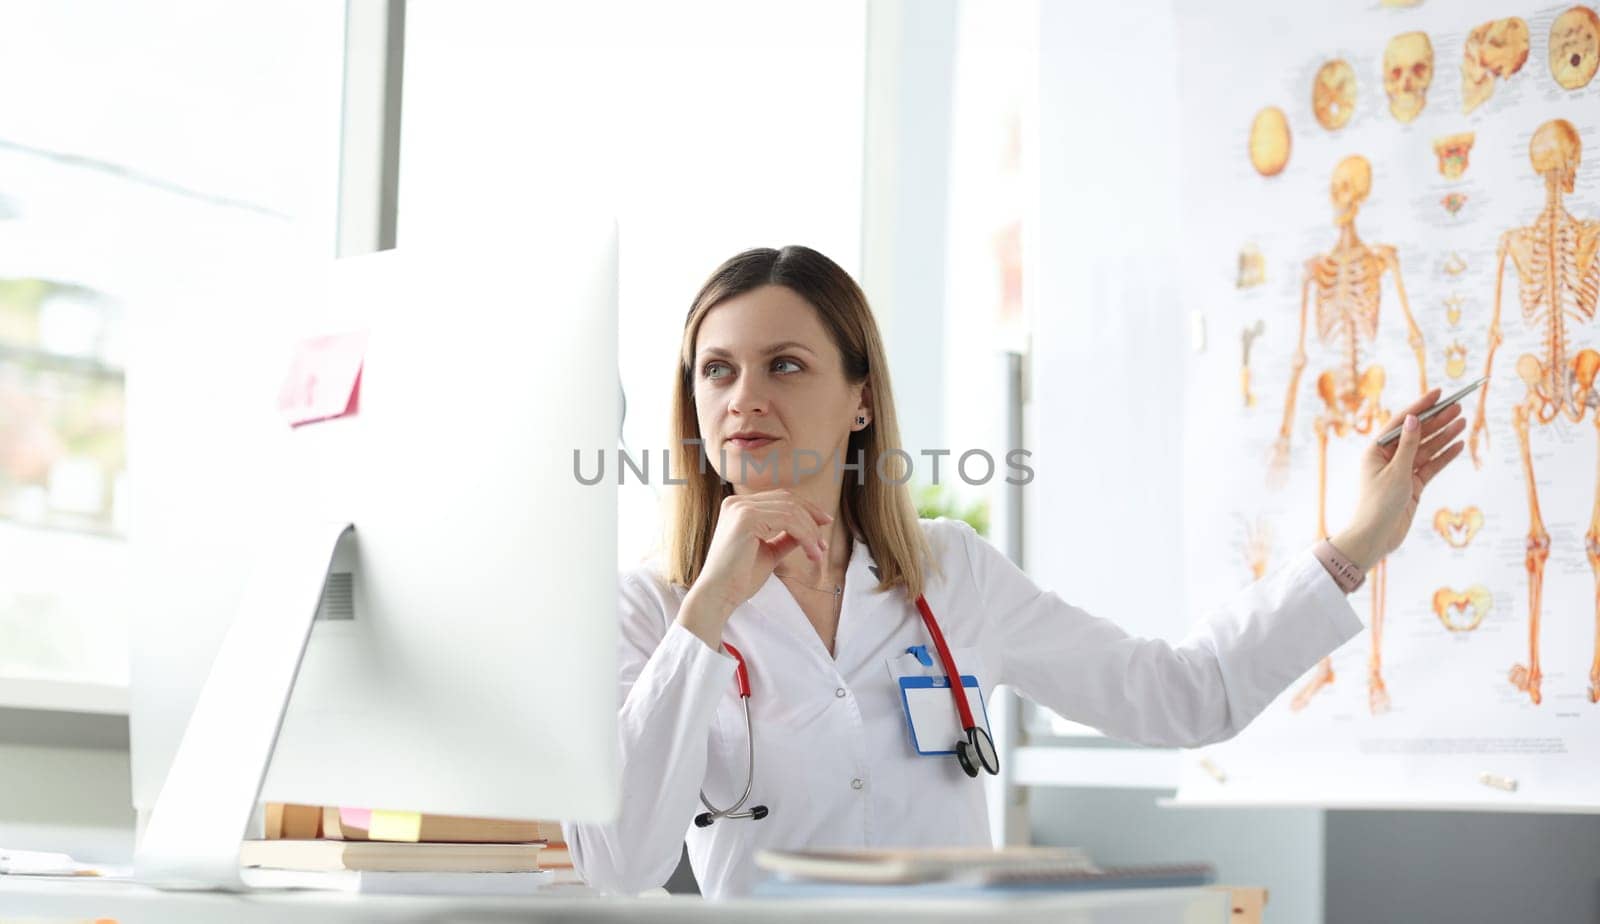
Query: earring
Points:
[861, 421]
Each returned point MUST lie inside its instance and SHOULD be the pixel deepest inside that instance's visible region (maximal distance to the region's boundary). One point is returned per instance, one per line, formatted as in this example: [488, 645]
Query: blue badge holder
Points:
[942, 682]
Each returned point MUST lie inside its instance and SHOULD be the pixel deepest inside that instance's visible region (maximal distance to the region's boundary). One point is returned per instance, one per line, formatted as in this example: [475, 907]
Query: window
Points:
[149, 138]
[989, 194]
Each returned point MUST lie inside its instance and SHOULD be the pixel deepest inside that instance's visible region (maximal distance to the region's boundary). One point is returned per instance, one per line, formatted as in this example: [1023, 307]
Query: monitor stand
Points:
[202, 814]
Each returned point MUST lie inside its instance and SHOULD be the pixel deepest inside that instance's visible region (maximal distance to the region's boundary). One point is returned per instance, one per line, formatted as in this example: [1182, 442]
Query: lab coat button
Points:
[856, 783]
[839, 693]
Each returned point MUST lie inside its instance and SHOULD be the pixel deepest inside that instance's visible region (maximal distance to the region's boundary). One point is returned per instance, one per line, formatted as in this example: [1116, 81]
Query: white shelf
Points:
[1066, 728]
[74, 696]
[1103, 767]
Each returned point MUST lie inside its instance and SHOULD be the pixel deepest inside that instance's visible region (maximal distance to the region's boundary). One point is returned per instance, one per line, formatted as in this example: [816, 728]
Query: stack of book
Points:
[958, 871]
[375, 850]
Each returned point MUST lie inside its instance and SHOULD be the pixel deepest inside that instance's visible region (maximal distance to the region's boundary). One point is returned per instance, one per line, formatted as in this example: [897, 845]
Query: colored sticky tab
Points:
[921, 654]
[395, 826]
[324, 379]
[356, 818]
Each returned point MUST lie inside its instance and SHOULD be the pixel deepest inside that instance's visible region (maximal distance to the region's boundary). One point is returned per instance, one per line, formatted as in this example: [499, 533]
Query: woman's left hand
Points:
[1392, 479]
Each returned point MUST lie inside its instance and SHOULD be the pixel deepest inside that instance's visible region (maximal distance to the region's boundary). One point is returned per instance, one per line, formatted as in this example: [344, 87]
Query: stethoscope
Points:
[974, 753]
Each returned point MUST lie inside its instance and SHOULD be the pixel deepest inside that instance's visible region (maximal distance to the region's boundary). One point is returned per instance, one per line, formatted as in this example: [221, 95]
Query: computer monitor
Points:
[473, 670]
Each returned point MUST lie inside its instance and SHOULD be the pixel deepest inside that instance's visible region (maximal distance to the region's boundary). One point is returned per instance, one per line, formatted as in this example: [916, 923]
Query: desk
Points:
[52, 900]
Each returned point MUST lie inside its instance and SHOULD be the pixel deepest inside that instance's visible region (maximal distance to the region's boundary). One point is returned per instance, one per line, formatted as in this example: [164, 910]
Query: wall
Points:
[1109, 340]
[1105, 516]
[64, 785]
[1462, 866]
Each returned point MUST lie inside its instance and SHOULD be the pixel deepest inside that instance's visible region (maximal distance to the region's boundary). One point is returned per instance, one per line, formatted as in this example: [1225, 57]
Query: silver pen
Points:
[1394, 434]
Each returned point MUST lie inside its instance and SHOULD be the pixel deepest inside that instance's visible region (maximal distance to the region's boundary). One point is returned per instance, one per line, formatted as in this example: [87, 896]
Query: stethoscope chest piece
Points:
[977, 752]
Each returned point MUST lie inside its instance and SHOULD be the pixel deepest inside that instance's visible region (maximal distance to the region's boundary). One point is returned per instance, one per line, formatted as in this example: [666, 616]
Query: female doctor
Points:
[791, 553]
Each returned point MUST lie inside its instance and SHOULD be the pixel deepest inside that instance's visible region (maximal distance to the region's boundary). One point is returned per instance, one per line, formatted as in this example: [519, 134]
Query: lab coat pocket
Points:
[968, 662]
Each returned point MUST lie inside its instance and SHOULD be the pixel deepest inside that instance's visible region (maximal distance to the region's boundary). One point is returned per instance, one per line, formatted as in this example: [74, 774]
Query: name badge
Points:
[931, 715]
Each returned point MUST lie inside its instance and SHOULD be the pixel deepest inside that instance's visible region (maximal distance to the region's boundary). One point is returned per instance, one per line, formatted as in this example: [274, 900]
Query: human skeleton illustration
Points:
[1558, 278]
[1346, 286]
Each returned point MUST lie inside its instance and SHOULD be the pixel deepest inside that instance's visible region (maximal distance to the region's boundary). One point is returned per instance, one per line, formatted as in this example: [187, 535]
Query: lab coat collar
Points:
[860, 599]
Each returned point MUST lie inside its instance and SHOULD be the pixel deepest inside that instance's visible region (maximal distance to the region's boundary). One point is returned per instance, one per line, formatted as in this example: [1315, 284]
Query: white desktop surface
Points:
[54, 899]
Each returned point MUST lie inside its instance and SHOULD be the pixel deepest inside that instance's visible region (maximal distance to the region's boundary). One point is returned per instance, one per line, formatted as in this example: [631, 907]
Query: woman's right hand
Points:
[754, 532]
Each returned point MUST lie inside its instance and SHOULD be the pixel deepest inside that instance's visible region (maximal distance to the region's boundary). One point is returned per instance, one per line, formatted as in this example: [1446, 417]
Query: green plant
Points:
[935, 500]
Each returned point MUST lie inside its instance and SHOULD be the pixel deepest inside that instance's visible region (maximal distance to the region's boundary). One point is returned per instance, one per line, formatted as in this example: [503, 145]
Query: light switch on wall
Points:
[1197, 330]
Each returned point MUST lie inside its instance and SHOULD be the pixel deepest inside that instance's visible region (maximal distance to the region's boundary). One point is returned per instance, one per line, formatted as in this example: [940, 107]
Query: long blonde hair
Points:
[876, 509]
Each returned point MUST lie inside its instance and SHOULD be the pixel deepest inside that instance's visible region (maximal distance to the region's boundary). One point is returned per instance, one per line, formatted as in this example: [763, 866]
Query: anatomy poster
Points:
[1378, 199]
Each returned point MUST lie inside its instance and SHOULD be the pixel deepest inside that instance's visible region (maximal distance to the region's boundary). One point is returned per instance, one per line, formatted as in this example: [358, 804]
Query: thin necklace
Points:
[838, 606]
[836, 589]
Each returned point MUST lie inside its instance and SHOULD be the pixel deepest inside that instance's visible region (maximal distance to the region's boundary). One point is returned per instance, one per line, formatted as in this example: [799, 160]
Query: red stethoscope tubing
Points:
[974, 753]
[945, 659]
[957, 692]
[742, 675]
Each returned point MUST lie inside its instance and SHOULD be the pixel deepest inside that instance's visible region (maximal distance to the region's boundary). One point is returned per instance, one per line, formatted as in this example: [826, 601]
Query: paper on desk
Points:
[46, 863]
[324, 379]
[36, 863]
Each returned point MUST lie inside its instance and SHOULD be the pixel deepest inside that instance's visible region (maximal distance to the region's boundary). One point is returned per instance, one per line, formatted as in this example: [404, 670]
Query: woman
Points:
[793, 545]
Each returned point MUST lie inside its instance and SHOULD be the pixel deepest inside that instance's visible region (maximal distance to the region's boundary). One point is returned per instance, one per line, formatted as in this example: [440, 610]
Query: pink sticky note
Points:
[356, 818]
[324, 380]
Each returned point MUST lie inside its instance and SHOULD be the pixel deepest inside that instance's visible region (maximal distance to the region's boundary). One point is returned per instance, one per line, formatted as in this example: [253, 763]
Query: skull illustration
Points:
[1333, 94]
[1556, 148]
[1575, 47]
[1352, 182]
[1497, 48]
[1407, 72]
[1269, 141]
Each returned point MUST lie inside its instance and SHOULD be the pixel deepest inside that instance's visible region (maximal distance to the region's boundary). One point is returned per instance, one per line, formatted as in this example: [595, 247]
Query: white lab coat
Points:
[834, 760]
